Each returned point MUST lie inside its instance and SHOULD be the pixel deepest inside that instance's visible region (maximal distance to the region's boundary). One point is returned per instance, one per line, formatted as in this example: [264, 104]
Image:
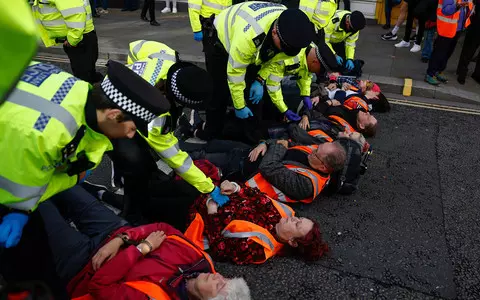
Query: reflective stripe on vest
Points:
[251, 231]
[32, 193]
[447, 25]
[213, 5]
[163, 56]
[320, 134]
[356, 103]
[135, 49]
[348, 128]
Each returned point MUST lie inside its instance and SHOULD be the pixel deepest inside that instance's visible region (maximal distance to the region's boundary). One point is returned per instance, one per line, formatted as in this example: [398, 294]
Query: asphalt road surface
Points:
[410, 232]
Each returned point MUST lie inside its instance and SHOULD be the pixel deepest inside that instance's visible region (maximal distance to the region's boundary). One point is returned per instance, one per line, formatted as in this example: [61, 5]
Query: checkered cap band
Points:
[125, 103]
[279, 33]
[320, 58]
[176, 91]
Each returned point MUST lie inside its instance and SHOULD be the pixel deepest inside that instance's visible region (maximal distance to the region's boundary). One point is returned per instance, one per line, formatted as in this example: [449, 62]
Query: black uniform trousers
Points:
[442, 50]
[408, 28]
[150, 6]
[470, 46]
[83, 58]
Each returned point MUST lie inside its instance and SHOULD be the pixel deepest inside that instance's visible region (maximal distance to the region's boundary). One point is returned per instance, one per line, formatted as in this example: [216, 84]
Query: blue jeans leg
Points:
[428, 43]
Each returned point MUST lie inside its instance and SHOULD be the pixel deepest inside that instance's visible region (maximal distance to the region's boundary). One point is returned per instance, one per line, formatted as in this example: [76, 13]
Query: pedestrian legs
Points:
[83, 57]
[442, 50]
[428, 43]
[470, 46]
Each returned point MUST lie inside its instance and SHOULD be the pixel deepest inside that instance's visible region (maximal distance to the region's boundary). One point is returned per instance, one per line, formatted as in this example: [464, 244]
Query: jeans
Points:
[428, 43]
[104, 4]
[73, 249]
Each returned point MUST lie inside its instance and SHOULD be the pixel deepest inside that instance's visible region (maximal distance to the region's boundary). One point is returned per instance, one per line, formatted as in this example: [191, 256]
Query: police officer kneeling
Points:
[61, 131]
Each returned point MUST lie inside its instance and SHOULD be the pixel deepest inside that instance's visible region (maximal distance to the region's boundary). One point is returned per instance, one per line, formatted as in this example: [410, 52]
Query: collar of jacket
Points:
[91, 116]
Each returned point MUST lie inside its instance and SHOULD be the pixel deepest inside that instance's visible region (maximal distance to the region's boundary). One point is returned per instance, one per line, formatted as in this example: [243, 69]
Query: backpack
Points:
[346, 180]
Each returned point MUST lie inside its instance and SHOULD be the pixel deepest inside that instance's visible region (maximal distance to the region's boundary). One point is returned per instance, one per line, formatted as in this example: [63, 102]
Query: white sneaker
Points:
[402, 44]
[174, 10]
[416, 48]
[166, 10]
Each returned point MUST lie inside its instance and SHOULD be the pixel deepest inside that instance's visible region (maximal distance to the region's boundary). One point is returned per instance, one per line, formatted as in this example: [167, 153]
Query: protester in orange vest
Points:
[252, 228]
[295, 174]
[153, 261]
[453, 16]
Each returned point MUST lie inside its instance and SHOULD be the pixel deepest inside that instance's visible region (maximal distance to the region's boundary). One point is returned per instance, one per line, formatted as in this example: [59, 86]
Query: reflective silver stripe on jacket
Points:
[134, 51]
[252, 183]
[236, 79]
[170, 152]
[46, 107]
[353, 44]
[185, 166]
[321, 21]
[281, 196]
[77, 25]
[285, 209]
[194, 6]
[213, 5]
[32, 194]
[311, 176]
[163, 55]
[58, 22]
[236, 64]
[46, 9]
[251, 21]
[261, 236]
[273, 88]
[275, 78]
[72, 11]
[306, 9]
[226, 29]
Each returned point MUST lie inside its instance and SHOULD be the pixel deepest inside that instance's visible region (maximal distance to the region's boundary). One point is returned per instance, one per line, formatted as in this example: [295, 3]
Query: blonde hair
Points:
[235, 289]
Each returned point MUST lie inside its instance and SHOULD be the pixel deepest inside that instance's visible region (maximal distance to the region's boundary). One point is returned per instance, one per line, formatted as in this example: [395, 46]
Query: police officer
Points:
[184, 85]
[262, 32]
[70, 22]
[320, 13]
[310, 60]
[61, 130]
[342, 33]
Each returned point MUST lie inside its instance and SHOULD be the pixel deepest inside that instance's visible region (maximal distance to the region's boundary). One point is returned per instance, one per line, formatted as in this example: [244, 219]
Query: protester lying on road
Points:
[252, 228]
[153, 261]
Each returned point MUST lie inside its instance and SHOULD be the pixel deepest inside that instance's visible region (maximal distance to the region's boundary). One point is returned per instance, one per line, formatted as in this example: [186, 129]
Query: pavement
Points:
[385, 64]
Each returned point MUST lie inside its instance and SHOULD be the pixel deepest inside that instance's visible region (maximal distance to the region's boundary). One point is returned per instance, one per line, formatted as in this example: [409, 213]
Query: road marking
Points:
[469, 111]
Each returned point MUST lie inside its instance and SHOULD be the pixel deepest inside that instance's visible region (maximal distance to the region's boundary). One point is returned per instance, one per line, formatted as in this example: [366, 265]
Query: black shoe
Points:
[96, 15]
[461, 80]
[132, 9]
[425, 60]
[144, 19]
[94, 189]
[125, 9]
[386, 26]
[389, 36]
[476, 78]
[154, 23]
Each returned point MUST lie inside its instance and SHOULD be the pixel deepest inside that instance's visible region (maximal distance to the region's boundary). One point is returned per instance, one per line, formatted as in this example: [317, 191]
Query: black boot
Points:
[144, 18]
[154, 23]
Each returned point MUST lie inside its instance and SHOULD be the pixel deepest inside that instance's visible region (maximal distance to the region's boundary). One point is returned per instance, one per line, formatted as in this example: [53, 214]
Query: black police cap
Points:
[134, 95]
[295, 30]
[357, 20]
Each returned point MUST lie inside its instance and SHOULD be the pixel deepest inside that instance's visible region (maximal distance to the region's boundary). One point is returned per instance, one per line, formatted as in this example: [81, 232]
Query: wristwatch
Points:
[139, 248]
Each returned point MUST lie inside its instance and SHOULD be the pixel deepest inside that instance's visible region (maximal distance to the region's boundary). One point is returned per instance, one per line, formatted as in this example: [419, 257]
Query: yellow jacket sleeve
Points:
[274, 85]
[75, 17]
[305, 81]
[194, 8]
[329, 30]
[350, 44]
[240, 56]
[166, 145]
[59, 182]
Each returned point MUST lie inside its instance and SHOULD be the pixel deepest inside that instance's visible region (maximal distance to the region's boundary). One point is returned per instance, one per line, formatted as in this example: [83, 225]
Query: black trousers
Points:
[83, 58]
[470, 46]
[346, 5]
[442, 50]
[409, 26]
[150, 6]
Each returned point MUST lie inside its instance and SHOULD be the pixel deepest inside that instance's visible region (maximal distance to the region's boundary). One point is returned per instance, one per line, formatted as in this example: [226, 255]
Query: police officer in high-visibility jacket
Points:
[60, 132]
[341, 35]
[202, 10]
[184, 85]
[250, 33]
[70, 22]
[320, 13]
[310, 60]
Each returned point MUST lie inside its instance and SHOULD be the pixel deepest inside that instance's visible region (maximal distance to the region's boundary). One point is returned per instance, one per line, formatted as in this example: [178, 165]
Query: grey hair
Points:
[335, 160]
[235, 289]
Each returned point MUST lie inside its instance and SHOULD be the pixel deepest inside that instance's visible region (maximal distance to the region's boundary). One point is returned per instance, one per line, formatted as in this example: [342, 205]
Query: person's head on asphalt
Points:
[124, 102]
[187, 85]
[366, 124]
[327, 158]
[292, 31]
[380, 104]
[353, 22]
[356, 137]
[209, 286]
[303, 236]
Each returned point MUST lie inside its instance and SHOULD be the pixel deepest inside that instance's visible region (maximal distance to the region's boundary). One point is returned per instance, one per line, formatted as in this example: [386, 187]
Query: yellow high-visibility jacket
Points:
[205, 8]
[154, 61]
[334, 34]
[273, 74]
[68, 19]
[242, 29]
[319, 12]
[48, 106]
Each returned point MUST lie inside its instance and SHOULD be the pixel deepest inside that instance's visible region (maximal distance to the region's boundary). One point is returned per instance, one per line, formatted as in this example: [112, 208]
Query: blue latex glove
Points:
[11, 229]
[218, 197]
[349, 65]
[256, 92]
[307, 102]
[243, 113]
[198, 36]
[292, 116]
[87, 173]
[339, 60]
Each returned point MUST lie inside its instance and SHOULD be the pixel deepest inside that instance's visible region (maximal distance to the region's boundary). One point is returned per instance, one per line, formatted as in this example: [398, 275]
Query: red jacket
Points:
[163, 266]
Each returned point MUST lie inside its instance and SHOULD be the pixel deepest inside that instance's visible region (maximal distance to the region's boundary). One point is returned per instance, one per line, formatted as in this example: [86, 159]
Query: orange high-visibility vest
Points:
[447, 25]
[348, 128]
[356, 102]
[320, 134]
[152, 290]
[243, 229]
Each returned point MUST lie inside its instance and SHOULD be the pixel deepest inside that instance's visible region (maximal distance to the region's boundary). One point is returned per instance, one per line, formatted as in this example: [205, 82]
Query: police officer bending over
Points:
[61, 130]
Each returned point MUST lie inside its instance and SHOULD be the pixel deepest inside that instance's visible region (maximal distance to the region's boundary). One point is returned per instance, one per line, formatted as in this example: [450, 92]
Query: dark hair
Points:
[311, 247]
[381, 104]
[370, 130]
[101, 102]
[335, 160]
